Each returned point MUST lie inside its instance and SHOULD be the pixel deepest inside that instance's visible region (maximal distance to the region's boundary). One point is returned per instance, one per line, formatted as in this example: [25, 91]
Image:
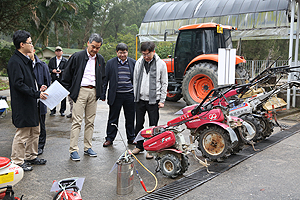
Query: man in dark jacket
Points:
[119, 76]
[57, 66]
[25, 93]
[41, 72]
[83, 77]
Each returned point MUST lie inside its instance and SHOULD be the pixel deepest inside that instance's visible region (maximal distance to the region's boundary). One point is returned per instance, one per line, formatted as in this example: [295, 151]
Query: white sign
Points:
[226, 66]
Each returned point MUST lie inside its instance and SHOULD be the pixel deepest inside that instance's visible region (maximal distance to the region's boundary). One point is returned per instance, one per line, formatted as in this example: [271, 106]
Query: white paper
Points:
[56, 93]
[3, 104]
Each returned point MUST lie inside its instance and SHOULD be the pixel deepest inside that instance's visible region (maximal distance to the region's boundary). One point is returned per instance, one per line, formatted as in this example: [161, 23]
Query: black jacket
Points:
[52, 65]
[41, 72]
[74, 71]
[23, 91]
[111, 78]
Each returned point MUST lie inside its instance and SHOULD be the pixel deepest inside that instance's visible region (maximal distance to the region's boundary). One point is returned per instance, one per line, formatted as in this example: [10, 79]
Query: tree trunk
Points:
[87, 32]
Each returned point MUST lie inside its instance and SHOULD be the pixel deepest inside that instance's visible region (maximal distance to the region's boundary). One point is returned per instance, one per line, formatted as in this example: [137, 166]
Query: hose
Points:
[147, 171]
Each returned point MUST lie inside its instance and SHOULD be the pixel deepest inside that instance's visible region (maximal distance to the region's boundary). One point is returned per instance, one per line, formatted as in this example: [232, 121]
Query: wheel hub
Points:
[214, 143]
[168, 166]
[200, 85]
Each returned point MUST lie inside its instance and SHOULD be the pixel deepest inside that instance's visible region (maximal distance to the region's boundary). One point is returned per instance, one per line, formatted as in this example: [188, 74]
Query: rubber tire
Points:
[226, 142]
[208, 69]
[173, 97]
[238, 146]
[267, 127]
[173, 162]
[255, 123]
[241, 75]
[184, 164]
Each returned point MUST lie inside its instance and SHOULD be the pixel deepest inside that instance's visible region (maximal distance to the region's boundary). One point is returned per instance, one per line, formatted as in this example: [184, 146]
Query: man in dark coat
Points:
[57, 66]
[83, 77]
[41, 72]
[119, 76]
[25, 93]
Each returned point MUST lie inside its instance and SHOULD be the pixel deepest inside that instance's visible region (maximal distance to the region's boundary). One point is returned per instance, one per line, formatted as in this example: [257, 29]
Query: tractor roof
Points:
[204, 25]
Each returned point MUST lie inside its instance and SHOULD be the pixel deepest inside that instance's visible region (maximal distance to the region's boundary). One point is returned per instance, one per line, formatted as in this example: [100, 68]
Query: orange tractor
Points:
[193, 72]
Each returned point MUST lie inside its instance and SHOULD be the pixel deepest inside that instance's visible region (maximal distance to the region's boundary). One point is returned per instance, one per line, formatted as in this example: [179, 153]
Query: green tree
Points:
[46, 13]
[16, 14]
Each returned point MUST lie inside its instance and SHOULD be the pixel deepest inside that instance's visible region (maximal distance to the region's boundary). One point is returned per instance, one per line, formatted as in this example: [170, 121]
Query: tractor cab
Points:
[193, 70]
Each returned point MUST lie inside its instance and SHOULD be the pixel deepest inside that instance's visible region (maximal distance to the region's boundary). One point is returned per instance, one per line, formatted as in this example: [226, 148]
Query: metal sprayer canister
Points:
[125, 176]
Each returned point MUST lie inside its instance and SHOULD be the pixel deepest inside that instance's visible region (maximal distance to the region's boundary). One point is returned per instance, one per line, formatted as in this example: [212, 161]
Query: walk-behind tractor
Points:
[193, 70]
[258, 106]
[217, 133]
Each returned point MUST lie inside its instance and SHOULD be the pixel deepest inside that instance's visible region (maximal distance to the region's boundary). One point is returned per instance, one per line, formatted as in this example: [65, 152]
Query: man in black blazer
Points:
[83, 77]
[57, 65]
[119, 76]
[24, 92]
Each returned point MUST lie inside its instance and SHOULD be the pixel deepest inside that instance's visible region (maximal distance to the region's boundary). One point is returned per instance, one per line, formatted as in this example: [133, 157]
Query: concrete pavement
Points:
[270, 174]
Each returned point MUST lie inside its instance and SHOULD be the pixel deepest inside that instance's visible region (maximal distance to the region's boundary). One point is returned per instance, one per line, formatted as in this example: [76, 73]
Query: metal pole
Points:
[253, 70]
[288, 95]
[296, 55]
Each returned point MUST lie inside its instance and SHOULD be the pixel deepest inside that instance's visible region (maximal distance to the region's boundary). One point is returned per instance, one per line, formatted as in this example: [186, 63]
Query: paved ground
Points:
[271, 174]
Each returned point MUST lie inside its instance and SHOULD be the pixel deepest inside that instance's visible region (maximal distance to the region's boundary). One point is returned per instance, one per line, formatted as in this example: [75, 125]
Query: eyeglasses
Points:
[147, 54]
[30, 43]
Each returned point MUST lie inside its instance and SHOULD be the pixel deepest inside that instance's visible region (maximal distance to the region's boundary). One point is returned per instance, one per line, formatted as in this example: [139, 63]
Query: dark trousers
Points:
[42, 137]
[125, 100]
[141, 108]
[62, 106]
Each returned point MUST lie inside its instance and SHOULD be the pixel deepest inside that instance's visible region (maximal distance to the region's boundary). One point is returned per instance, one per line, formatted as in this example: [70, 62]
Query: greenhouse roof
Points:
[253, 18]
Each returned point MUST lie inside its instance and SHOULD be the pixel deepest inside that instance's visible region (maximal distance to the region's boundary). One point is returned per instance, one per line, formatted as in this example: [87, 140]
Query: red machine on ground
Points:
[217, 133]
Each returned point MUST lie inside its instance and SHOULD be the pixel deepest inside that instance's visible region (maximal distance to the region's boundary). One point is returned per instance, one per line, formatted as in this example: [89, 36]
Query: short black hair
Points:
[20, 36]
[150, 46]
[96, 37]
[122, 47]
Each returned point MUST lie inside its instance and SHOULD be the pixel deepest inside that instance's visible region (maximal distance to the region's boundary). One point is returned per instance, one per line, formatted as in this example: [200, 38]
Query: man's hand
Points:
[43, 88]
[161, 105]
[43, 95]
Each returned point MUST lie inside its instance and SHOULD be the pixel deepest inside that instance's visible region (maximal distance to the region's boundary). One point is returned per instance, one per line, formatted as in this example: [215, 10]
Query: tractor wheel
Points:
[214, 143]
[239, 145]
[173, 97]
[255, 123]
[170, 165]
[198, 82]
[267, 127]
[200, 79]
[184, 164]
[241, 75]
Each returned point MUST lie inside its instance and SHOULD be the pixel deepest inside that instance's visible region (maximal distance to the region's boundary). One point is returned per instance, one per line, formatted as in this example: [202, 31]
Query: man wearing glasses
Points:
[83, 77]
[119, 76]
[25, 92]
[57, 65]
[150, 89]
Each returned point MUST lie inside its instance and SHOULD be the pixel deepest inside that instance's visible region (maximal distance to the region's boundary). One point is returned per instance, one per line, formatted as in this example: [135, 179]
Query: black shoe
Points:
[69, 115]
[52, 113]
[36, 161]
[131, 142]
[62, 114]
[26, 167]
[40, 151]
